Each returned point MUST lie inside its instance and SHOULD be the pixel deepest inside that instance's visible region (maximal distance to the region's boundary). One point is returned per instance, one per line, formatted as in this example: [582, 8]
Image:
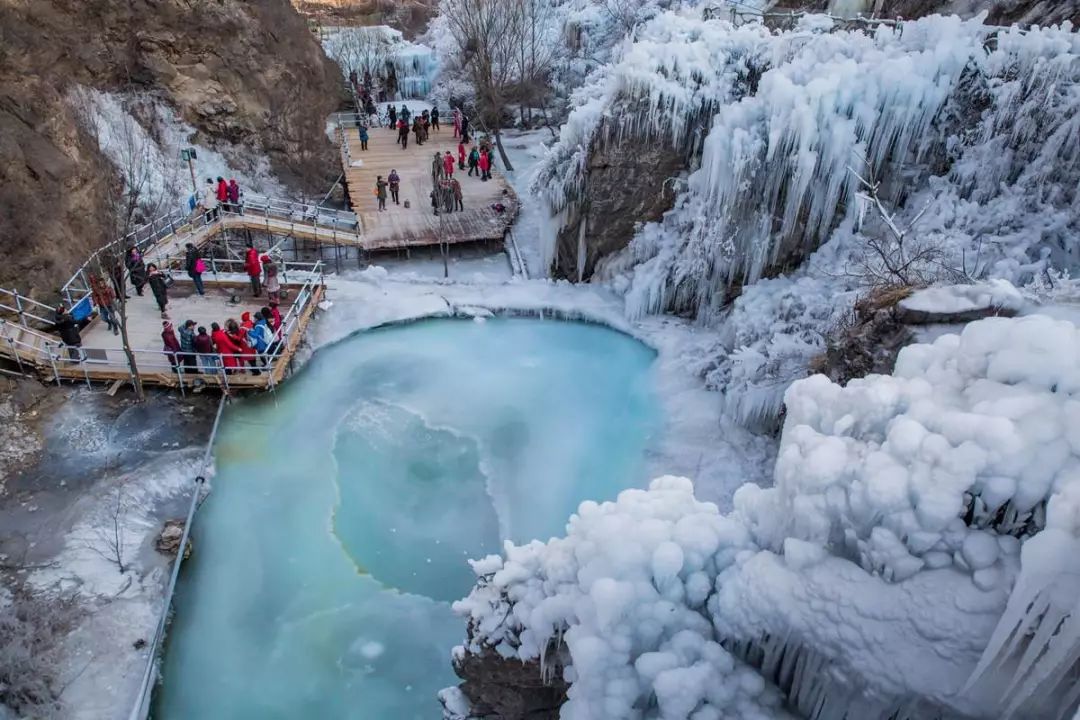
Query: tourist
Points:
[275, 318]
[448, 164]
[405, 114]
[380, 192]
[504, 203]
[159, 286]
[222, 193]
[474, 162]
[195, 266]
[225, 347]
[418, 131]
[363, 137]
[246, 322]
[395, 185]
[455, 188]
[367, 78]
[457, 122]
[270, 272]
[272, 322]
[435, 118]
[68, 328]
[261, 336]
[209, 202]
[187, 345]
[245, 353]
[485, 166]
[403, 134]
[234, 196]
[253, 268]
[425, 125]
[171, 345]
[104, 298]
[436, 168]
[136, 269]
[209, 362]
[461, 156]
[391, 112]
[464, 129]
[435, 200]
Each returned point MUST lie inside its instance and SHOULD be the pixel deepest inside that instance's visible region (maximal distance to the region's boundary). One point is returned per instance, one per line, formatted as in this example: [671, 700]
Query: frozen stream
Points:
[341, 517]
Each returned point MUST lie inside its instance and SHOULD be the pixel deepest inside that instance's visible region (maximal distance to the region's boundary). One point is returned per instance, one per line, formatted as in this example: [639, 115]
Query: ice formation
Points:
[374, 48]
[973, 129]
[916, 558]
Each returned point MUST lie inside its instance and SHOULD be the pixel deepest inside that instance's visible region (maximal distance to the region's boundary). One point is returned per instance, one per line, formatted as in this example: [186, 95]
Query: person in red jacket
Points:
[275, 317]
[226, 347]
[223, 193]
[171, 344]
[461, 156]
[448, 164]
[234, 196]
[246, 353]
[485, 166]
[253, 267]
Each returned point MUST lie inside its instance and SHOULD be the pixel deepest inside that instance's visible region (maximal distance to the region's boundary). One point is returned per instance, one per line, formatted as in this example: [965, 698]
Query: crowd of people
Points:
[235, 346]
[446, 193]
[220, 195]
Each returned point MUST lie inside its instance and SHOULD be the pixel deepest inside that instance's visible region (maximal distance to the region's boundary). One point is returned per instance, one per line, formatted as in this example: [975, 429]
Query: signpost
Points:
[189, 155]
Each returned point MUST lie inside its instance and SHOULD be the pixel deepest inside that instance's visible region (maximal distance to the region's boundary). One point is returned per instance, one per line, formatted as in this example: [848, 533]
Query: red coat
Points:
[222, 191]
[485, 162]
[226, 347]
[461, 153]
[275, 318]
[251, 262]
[448, 164]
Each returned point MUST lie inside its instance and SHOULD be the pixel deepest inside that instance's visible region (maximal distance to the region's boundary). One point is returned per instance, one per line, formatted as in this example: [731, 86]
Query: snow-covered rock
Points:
[917, 557]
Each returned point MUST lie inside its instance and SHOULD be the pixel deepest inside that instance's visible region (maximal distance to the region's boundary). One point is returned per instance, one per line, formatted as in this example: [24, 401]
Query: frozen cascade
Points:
[917, 557]
[375, 48]
[974, 127]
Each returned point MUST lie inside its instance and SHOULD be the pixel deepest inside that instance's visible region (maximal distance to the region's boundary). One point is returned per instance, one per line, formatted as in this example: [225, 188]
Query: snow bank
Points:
[917, 556]
[953, 299]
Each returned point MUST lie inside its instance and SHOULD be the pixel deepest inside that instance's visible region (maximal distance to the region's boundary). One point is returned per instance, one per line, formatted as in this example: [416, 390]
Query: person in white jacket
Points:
[209, 202]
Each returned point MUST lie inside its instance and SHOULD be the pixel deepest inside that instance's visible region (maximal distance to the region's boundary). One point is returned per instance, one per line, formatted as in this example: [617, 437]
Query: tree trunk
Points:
[502, 151]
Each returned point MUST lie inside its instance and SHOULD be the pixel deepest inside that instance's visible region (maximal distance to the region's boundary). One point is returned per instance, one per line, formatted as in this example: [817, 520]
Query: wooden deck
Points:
[105, 361]
[417, 225]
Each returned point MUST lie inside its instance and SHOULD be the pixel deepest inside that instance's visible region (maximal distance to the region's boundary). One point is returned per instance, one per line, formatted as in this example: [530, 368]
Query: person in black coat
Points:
[192, 264]
[136, 269]
[68, 328]
[159, 286]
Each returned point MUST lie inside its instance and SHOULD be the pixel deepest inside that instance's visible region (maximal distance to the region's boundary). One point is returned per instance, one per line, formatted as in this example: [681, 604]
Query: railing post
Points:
[19, 307]
[52, 361]
[15, 352]
[180, 377]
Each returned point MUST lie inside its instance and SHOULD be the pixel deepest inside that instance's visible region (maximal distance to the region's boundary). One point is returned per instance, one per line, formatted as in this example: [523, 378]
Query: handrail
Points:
[142, 705]
[49, 350]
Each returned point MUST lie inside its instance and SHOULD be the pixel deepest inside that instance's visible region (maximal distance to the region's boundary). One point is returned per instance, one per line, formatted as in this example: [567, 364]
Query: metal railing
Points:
[141, 708]
[50, 356]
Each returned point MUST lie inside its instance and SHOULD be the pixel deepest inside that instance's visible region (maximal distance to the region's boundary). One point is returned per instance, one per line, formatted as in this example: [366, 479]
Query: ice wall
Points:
[916, 557]
[973, 117]
[373, 48]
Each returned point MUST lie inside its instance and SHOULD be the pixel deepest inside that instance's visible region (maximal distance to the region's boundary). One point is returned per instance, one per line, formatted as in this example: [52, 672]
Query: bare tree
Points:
[897, 257]
[107, 538]
[488, 35]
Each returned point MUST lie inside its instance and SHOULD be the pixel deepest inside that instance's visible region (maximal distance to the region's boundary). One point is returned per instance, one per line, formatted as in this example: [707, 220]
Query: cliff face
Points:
[246, 73]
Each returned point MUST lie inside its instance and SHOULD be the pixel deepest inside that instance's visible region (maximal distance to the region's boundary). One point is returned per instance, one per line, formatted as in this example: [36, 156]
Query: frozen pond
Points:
[341, 517]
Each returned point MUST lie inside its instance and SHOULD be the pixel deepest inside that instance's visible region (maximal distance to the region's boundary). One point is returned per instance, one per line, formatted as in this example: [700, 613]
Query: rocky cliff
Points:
[247, 74]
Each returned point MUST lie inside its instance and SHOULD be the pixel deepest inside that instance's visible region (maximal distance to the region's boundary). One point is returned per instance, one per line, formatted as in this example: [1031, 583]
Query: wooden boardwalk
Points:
[399, 226]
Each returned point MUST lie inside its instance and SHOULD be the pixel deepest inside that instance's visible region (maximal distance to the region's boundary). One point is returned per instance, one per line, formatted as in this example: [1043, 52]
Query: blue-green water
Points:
[341, 517]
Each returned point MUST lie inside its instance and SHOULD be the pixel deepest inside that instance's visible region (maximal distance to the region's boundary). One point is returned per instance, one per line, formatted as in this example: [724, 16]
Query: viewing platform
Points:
[417, 225]
[28, 342]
